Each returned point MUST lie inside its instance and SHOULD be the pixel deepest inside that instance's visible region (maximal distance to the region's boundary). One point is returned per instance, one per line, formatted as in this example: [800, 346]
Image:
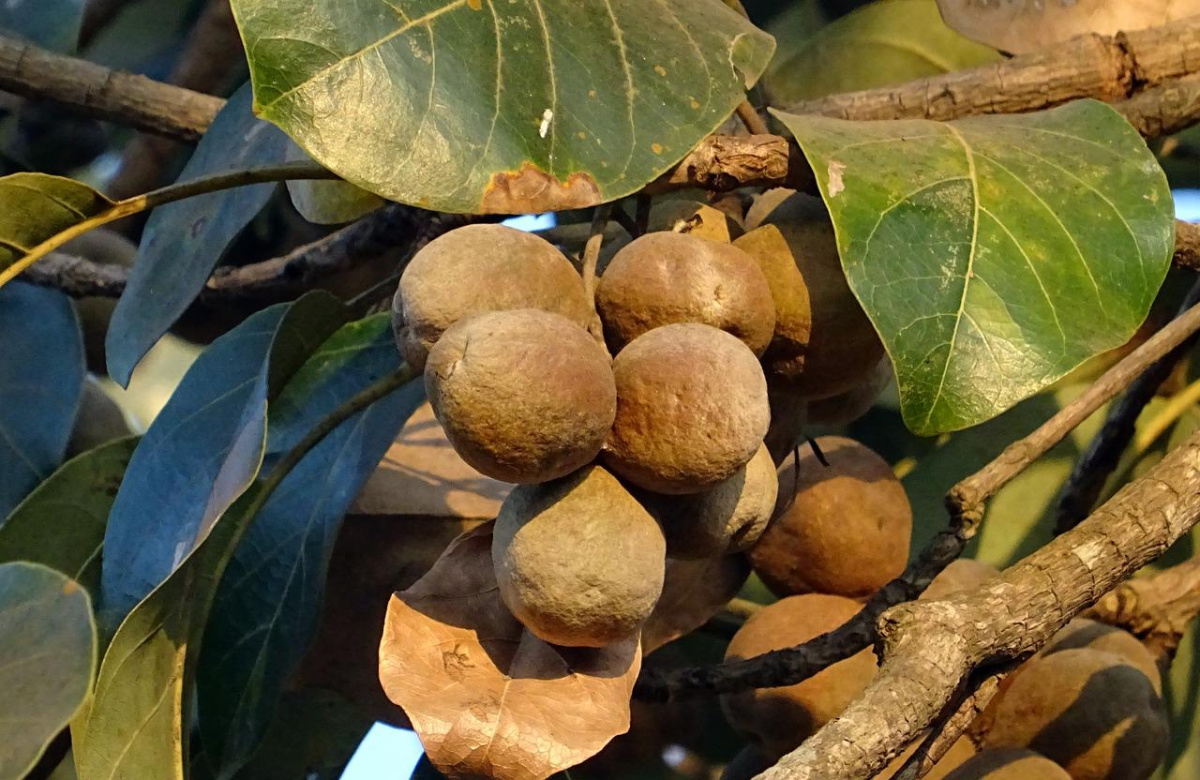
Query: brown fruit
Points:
[962, 574]
[1095, 635]
[665, 278]
[1089, 711]
[476, 269]
[789, 420]
[844, 528]
[700, 220]
[691, 409]
[962, 750]
[524, 395]
[776, 720]
[845, 408]
[578, 560]
[1009, 764]
[824, 343]
[727, 519]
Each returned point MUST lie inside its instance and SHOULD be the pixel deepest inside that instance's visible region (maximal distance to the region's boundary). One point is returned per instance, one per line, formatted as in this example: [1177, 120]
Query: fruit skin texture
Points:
[691, 409]
[524, 395]
[962, 574]
[843, 529]
[579, 562]
[1092, 634]
[845, 408]
[776, 720]
[1009, 764]
[1089, 711]
[665, 278]
[476, 269]
[824, 344]
[727, 519]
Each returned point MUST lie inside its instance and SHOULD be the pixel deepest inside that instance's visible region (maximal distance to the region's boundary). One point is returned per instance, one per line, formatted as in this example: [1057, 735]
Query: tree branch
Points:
[1156, 609]
[930, 647]
[965, 503]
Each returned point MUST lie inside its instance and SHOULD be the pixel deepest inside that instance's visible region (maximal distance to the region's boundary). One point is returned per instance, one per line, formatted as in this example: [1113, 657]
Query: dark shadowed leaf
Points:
[993, 254]
[205, 447]
[184, 241]
[487, 697]
[61, 524]
[269, 604]
[693, 591]
[499, 106]
[51, 24]
[41, 378]
[47, 658]
[875, 45]
[313, 736]
[1026, 26]
[36, 206]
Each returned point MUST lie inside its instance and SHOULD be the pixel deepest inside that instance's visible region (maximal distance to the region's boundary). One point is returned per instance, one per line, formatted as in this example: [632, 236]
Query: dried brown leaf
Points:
[1019, 26]
[693, 591]
[488, 698]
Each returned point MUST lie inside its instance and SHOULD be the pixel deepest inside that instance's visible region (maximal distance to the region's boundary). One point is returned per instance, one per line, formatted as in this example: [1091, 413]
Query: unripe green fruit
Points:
[524, 395]
[476, 269]
[578, 560]
[1089, 711]
[844, 528]
[691, 409]
[777, 720]
[665, 278]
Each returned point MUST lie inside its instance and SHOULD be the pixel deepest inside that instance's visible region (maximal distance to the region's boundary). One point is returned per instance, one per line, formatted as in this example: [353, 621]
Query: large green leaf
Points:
[47, 658]
[993, 254]
[877, 44]
[36, 206]
[51, 24]
[184, 241]
[205, 447]
[61, 524]
[499, 106]
[41, 379]
[269, 605]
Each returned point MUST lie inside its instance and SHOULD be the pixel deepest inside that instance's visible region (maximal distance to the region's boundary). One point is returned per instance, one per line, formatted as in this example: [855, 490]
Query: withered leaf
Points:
[488, 698]
[693, 591]
[1018, 27]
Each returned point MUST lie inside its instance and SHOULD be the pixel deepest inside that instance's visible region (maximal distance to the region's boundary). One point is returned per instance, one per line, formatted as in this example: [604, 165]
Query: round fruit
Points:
[1089, 711]
[824, 344]
[844, 528]
[700, 220]
[691, 409]
[1095, 635]
[961, 751]
[665, 278]
[1009, 764]
[727, 519]
[789, 419]
[845, 408]
[776, 720]
[578, 560]
[962, 574]
[524, 395]
[476, 269]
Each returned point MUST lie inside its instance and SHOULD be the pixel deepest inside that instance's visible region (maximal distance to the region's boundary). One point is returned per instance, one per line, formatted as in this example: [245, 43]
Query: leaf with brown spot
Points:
[693, 592]
[488, 698]
[1018, 27]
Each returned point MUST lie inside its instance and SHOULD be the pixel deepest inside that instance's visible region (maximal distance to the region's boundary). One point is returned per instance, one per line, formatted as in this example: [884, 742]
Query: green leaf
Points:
[47, 659]
[499, 106]
[205, 447]
[61, 524]
[268, 607]
[51, 24]
[993, 254]
[313, 736]
[41, 379]
[35, 207]
[328, 202]
[184, 241]
[876, 45]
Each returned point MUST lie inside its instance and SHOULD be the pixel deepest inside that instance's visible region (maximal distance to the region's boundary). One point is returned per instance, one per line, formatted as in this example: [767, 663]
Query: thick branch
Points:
[1156, 609]
[930, 647]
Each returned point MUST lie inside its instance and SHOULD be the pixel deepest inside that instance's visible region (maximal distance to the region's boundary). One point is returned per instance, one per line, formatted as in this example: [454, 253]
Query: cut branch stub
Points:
[993, 254]
[499, 107]
[487, 697]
